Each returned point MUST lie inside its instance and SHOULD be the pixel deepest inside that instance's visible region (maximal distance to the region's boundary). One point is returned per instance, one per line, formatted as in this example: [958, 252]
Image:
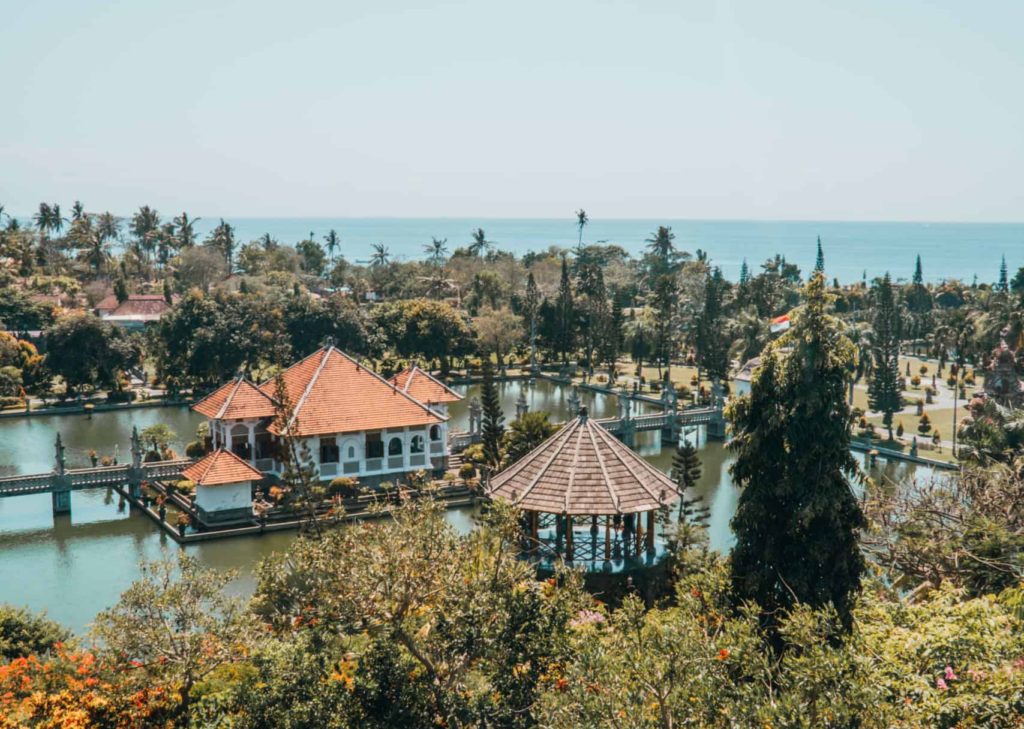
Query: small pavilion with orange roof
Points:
[223, 486]
[353, 421]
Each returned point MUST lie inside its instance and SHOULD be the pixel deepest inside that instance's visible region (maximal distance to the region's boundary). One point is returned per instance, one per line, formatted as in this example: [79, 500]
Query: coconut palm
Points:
[48, 219]
[661, 242]
[332, 241]
[480, 244]
[95, 249]
[186, 230]
[581, 223]
[437, 250]
[77, 211]
[438, 282]
[108, 226]
[751, 334]
[381, 255]
[145, 226]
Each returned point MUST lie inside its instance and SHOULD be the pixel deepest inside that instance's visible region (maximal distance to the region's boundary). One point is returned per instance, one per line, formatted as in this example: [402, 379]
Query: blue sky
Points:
[867, 110]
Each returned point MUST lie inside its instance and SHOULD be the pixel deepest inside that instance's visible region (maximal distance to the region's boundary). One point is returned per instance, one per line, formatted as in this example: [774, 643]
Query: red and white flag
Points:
[780, 324]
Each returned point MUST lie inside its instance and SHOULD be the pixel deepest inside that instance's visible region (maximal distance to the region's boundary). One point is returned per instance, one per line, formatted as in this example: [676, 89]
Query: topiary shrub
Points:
[195, 449]
[915, 381]
[188, 488]
[344, 486]
[474, 453]
[925, 426]
[467, 470]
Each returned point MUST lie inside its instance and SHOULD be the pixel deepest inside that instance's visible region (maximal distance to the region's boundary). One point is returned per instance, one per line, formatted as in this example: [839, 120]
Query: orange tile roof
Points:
[332, 393]
[237, 400]
[423, 386]
[220, 467]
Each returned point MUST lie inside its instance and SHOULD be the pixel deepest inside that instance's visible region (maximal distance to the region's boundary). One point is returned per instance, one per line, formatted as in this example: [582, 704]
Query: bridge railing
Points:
[32, 484]
[165, 469]
[97, 476]
[85, 477]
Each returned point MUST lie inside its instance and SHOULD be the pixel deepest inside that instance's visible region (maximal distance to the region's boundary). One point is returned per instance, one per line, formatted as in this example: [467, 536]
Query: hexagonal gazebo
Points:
[584, 496]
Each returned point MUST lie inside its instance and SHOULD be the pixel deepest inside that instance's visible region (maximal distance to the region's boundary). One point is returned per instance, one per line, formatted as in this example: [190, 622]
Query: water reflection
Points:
[75, 566]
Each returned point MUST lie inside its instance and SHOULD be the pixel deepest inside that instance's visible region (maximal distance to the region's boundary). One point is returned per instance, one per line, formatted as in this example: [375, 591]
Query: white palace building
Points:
[353, 421]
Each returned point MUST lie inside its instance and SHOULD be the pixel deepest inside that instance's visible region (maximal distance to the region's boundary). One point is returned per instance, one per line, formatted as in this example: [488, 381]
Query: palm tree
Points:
[438, 282]
[581, 223]
[480, 243]
[268, 242]
[660, 243]
[145, 226]
[437, 250]
[186, 230]
[751, 334]
[96, 249]
[333, 242]
[77, 211]
[108, 226]
[380, 256]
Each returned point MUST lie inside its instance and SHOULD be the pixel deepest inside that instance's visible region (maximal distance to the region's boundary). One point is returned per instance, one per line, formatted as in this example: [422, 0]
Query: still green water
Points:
[74, 566]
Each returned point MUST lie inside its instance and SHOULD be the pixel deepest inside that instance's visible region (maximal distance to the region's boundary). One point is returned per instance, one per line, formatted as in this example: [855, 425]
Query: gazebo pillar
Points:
[568, 537]
[607, 538]
[650, 531]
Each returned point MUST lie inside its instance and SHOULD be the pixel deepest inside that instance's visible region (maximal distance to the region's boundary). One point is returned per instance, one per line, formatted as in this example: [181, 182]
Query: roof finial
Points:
[329, 342]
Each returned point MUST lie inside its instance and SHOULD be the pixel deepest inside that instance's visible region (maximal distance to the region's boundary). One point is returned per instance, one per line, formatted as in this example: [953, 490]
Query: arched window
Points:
[416, 445]
[435, 432]
[351, 453]
[240, 442]
[395, 447]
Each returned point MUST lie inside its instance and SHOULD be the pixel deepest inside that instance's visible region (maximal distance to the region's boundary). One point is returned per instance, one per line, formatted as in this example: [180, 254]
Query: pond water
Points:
[74, 566]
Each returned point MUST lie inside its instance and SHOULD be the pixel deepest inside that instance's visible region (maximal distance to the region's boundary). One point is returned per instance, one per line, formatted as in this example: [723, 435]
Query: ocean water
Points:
[852, 249]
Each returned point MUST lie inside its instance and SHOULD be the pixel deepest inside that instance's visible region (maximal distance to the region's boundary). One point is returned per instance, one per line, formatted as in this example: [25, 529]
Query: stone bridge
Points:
[62, 481]
[670, 421]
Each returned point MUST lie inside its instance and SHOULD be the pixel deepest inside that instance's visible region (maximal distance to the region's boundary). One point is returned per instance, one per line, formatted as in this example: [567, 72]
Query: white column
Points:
[252, 443]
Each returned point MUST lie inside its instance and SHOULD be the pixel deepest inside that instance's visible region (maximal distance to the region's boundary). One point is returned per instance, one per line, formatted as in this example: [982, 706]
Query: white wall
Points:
[224, 496]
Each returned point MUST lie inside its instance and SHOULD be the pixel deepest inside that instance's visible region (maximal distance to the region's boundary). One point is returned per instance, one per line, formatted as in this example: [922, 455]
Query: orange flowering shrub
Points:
[74, 690]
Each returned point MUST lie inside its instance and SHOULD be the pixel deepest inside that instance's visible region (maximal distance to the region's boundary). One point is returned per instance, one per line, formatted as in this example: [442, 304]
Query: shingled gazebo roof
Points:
[583, 470]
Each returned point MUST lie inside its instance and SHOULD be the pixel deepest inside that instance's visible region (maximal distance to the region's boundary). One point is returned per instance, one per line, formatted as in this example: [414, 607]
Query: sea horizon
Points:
[854, 250]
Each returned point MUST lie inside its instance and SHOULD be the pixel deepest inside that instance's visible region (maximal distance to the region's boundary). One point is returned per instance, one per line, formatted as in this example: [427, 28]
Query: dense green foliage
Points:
[23, 633]
[797, 520]
[885, 389]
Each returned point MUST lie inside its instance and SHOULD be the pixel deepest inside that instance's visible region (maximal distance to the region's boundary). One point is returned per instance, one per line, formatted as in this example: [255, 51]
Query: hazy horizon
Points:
[730, 110]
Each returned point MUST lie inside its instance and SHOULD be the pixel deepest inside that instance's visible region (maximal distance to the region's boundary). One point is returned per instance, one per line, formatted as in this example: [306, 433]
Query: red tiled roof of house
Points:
[237, 400]
[141, 305]
[332, 393]
[107, 303]
[220, 467]
[423, 386]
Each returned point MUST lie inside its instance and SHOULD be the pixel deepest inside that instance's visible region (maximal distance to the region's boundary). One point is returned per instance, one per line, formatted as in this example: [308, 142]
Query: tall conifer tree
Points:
[797, 520]
[819, 262]
[711, 342]
[493, 425]
[886, 386]
[564, 313]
